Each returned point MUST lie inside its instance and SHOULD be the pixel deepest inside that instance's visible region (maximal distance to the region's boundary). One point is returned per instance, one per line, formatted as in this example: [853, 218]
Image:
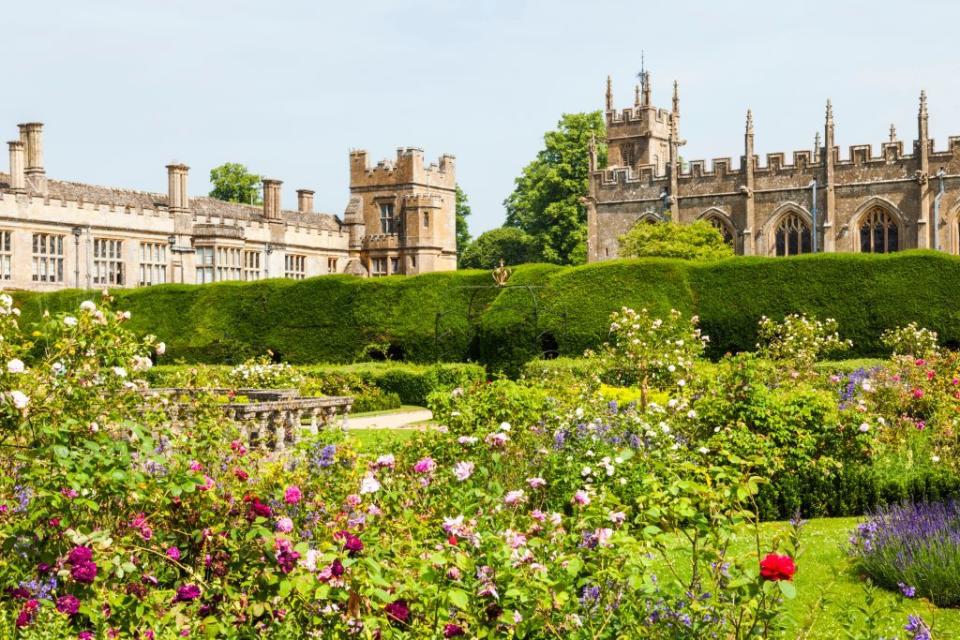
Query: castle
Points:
[55, 234]
[817, 203]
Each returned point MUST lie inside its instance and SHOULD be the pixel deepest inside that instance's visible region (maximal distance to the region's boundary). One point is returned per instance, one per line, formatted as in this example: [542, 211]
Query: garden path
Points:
[393, 420]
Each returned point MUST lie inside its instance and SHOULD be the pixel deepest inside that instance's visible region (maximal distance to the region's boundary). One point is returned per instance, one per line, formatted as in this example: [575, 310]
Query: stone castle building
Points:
[55, 234]
[898, 199]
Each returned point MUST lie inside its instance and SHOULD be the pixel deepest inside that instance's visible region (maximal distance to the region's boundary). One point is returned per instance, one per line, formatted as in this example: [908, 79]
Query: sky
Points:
[288, 87]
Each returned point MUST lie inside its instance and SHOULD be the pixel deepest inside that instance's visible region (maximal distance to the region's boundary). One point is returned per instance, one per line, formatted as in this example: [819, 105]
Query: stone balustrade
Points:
[271, 419]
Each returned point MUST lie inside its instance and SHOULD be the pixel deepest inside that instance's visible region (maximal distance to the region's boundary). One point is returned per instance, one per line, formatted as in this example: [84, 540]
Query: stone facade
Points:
[56, 234]
[818, 202]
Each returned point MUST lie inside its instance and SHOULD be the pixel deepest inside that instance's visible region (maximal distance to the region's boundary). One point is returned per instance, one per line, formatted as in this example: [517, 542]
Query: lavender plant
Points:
[914, 549]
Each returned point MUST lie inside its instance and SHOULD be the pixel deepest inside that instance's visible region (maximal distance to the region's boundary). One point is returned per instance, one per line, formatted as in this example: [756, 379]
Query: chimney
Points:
[271, 199]
[17, 180]
[178, 199]
[304, 200]
[31, 133]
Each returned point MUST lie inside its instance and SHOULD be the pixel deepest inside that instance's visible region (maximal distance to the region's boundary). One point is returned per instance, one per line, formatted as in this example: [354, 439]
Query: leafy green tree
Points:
[463, 232]
[697, 241]
[547, 200]
[234, 183]
[511, 245]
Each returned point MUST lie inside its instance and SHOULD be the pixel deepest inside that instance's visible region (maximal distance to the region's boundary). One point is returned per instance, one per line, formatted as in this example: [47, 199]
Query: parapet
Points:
[408, 168]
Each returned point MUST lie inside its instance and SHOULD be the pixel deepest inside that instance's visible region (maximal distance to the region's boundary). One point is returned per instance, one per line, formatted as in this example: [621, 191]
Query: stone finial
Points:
[636, 96]
[893, 133]
[829, 111]
[647, 90]
[923, 103]
[676, 97]
[816, 146]
[609, 94]
[749, 121]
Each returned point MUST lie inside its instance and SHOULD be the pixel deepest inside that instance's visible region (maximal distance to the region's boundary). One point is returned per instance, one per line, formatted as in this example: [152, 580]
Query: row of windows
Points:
[226, 263]
[878, 233]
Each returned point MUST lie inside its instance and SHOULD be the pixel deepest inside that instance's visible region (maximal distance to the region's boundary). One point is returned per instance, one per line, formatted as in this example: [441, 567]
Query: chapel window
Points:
[723, 228]
[879, 232]
[793, 235]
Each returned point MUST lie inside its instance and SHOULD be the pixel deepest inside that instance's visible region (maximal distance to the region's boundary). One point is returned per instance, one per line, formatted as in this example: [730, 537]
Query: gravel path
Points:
[396, 420]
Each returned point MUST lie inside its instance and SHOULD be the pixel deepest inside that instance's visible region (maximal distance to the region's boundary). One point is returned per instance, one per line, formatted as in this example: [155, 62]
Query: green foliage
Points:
[509, 244]
[332, 318]
[911, 340]
[463, 229]
[232, 182]
[697, 241]
[546, 202]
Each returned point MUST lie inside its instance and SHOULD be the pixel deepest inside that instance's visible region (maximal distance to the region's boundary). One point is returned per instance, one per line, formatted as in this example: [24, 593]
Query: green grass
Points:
[827, 588]
[374, 441]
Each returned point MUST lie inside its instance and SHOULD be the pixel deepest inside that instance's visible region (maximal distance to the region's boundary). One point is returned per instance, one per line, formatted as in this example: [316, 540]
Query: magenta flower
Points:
[187, 593]
[453, 631]
[68, 605]
[79, 555]
[173, 553]
[425, 465]
[84, 572]
[398, 611]
[292, 495]
[351, 543]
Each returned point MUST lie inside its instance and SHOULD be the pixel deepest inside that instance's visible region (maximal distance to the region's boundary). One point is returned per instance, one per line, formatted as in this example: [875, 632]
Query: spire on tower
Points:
[676, 97]
[749, 121]
[923, 103]
[609, 94]
[893, 133]
[829, 111]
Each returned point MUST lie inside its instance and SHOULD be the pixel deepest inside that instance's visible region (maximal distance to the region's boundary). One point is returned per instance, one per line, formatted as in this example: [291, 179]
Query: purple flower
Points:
[79, 555]
[398, 611]
[917, 627]
[907, 590]
[187, 593]
[451, 630]
[68, 605]
[84, 572]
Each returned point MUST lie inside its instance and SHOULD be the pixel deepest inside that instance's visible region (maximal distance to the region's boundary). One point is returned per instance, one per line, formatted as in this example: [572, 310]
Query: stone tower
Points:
[402, 214]
[640, 135]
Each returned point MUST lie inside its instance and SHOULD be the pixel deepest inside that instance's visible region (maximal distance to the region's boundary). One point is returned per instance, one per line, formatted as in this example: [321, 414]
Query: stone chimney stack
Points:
[178, 199]
[271, 199]
[31, 134]
[17, 179]
[304, 200]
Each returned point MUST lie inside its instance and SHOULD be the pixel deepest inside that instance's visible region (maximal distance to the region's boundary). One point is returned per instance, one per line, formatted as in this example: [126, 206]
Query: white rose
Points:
[120, 372]
[20, 399]
[70, 321]
[87, 305]
[16, 366]
[161, 348]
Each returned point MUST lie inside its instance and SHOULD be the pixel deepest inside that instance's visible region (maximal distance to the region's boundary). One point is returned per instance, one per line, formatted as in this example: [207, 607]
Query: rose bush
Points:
[567, 516]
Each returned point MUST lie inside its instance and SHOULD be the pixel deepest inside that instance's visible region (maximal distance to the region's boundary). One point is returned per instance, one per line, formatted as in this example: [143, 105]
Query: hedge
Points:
[544, 310]
[409, 382]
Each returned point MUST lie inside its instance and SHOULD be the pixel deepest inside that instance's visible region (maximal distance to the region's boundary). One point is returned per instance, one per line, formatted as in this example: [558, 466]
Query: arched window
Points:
[793, 235]
[720, 225]
[879, 232]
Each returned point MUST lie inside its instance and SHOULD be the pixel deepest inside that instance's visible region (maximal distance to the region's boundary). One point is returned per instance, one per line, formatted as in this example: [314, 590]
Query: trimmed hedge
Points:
[410, 383]
[546, 309]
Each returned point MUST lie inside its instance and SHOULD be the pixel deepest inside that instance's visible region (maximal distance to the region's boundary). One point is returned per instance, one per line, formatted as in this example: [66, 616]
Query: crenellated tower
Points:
[640, 135]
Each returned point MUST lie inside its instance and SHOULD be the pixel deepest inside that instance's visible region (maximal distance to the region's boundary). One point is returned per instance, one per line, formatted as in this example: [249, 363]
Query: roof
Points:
[201, 206]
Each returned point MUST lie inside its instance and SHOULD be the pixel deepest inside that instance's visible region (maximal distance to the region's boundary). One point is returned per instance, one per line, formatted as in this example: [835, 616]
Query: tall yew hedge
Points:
[558, 310]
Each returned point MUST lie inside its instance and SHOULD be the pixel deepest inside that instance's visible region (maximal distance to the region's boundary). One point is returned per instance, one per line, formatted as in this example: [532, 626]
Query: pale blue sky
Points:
[288, 87]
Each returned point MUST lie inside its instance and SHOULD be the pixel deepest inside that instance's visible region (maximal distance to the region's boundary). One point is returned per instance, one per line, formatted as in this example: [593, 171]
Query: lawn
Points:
[373, 441]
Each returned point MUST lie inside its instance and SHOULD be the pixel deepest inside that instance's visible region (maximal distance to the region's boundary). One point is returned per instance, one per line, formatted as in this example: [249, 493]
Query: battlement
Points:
[409, 167]
[636, 115]
[421, 201]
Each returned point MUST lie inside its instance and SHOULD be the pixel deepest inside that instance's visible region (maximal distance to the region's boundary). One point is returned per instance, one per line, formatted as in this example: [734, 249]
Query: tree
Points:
[511, 245]
[547, 200]
[463, 232]
[234, 183]
[697, 241]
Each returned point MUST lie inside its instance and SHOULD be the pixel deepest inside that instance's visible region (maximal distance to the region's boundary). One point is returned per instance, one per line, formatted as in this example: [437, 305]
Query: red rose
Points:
[777, 567]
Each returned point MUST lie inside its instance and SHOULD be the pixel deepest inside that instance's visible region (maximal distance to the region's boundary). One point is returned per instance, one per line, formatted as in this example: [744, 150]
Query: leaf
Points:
[788, 589]
[458, 598]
